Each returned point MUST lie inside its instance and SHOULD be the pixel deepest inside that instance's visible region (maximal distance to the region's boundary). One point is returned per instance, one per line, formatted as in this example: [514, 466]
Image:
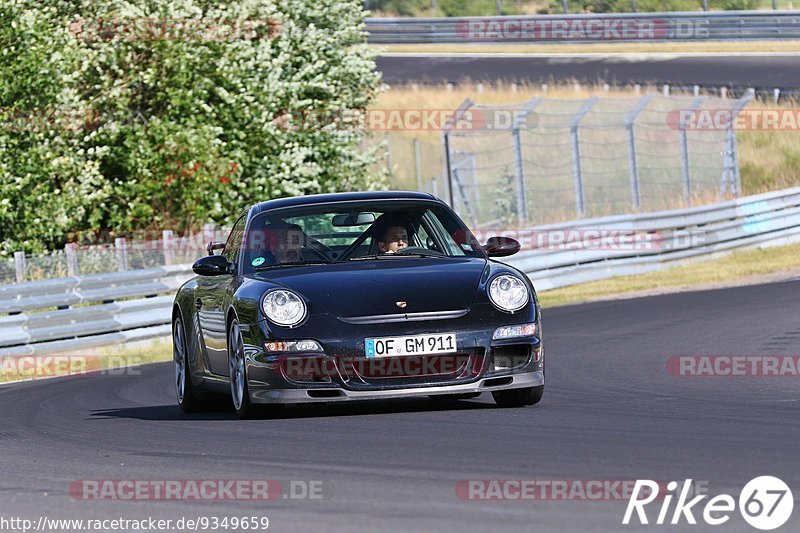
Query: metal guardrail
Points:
[611, 27]
[666, 238]
[662, 239]
[81, 312]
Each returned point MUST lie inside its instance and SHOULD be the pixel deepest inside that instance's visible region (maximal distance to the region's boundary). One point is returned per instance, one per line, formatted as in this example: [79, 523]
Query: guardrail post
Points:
[685, 170]
[20, 266]
[71, 253]
[577, 171]
[121, 247]
[636, 195]
[168, 242]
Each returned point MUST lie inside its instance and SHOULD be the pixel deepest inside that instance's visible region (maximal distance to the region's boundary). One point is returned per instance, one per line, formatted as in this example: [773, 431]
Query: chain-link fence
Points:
[551, 160]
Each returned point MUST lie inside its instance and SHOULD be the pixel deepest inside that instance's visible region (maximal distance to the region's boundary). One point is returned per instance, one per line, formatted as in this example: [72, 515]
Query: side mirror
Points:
[214, 245]
[501, 247]
[212, 265]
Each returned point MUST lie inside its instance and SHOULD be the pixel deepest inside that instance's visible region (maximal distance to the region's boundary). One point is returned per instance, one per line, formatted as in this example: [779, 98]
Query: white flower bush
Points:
[171, 130]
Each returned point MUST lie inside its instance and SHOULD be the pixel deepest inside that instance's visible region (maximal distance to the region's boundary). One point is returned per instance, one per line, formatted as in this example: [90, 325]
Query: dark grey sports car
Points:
[356, 296]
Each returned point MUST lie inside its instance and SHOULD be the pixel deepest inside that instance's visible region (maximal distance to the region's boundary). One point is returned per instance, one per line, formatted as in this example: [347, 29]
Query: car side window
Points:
[234, 243]
[444, 241]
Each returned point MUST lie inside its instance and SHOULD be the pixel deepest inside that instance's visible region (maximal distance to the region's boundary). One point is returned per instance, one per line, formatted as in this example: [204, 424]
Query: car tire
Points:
[237, 372]
[188, 399]
[518, 397]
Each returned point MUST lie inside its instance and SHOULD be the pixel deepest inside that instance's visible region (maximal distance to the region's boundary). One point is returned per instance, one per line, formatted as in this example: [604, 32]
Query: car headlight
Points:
[284, 308]
[508, 293]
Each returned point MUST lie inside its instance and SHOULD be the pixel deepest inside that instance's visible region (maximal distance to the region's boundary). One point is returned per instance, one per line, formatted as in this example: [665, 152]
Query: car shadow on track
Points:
[221, 411]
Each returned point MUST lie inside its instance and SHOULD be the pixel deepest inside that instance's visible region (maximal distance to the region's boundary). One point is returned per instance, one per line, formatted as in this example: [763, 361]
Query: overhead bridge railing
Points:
[609, 27]
[64, 315]
[559, 255]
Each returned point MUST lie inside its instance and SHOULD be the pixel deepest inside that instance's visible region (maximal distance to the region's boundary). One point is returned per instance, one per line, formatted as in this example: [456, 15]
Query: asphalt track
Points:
[760, 71]
[611, 411]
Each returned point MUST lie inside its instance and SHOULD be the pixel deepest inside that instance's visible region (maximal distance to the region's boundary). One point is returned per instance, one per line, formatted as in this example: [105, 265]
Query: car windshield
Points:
[362, 231]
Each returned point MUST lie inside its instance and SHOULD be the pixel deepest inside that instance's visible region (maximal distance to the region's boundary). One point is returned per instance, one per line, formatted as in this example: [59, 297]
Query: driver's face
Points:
[396, 239]
[289, 246]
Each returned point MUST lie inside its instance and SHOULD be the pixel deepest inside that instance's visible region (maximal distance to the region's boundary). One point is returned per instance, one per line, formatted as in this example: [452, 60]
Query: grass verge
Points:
[115, 360]
[739, 268]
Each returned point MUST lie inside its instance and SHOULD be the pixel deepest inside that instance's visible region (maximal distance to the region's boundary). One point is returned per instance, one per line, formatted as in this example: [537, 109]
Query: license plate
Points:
[411, 345]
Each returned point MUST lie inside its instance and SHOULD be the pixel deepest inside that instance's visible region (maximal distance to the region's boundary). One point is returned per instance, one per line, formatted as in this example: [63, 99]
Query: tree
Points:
[184, 121]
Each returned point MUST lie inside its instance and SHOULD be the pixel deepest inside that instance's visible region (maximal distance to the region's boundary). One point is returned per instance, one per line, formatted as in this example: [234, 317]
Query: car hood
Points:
[373, 287]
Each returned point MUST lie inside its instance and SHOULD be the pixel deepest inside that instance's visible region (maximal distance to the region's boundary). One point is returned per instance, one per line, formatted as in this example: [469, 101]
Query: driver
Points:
[290, 245]
[393, 238]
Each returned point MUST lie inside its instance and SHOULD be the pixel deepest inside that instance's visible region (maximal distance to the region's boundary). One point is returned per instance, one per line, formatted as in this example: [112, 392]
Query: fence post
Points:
[389, 159]
[71, 253]
[121, 247]
[467, 206]
[577, 172]
[20, 266]
[564, 6]
[636, 195]
[685, 171]
[519, 164]
[417, 164]
[451, 123]
[168, 242]
[731, 177]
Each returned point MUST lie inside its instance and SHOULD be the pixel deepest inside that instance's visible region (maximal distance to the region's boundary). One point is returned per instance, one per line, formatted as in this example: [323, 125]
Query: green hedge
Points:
[159, 132]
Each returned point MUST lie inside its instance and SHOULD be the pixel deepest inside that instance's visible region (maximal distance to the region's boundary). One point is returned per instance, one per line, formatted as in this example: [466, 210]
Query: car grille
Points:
[411, 371]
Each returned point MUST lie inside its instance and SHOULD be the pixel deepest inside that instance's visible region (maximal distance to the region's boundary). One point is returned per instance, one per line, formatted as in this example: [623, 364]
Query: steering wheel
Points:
[411, 250]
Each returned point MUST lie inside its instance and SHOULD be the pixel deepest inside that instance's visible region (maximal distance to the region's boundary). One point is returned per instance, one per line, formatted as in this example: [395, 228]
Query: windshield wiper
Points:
[390, 256]
[292, 263]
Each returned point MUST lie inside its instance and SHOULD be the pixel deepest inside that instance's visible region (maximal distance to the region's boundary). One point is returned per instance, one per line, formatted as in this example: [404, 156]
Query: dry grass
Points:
[737, 268]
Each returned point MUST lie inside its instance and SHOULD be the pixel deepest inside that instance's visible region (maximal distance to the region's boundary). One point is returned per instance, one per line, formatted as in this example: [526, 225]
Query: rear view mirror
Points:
[353, 219]
[501, 247]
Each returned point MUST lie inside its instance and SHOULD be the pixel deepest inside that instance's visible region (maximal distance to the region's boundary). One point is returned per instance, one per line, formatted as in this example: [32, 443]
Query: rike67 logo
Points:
[765, 503]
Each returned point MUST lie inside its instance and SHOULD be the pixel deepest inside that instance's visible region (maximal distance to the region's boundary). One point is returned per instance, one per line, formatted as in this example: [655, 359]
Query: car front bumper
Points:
[295, 395]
